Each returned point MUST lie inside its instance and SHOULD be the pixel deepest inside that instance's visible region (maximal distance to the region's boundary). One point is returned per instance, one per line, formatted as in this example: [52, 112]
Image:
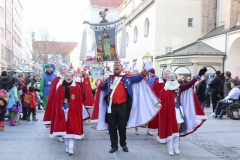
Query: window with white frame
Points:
[146, 27]
[135, 34]
[2, 33]
[168, 49]
[190, 22]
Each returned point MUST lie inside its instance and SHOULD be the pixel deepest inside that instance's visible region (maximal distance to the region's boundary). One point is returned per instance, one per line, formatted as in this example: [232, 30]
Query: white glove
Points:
[106, 75]
[148, 65]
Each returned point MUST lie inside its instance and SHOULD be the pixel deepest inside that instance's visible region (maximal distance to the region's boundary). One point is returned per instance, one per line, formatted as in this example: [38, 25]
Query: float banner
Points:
[106, 45]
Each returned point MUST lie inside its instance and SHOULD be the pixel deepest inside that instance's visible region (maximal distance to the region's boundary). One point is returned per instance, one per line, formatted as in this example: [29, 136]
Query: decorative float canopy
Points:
[105, 39]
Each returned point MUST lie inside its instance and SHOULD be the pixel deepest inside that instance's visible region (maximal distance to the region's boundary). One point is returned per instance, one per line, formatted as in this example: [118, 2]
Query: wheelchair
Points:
[231, 109]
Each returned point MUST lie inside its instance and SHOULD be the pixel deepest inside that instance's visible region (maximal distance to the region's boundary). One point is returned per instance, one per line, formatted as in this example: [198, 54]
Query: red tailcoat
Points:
[88, 99]
[153, 124]
[49, 107]
[73, 127]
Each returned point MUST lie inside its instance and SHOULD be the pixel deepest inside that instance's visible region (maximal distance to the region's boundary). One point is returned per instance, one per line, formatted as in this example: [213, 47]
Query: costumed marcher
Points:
[49, 108]
[121, 103]
[67, 116]
[88, 99]
[46, 82]
[93, 85]
[3, 105]
[158, 86]
[179, 105]
[152, 77]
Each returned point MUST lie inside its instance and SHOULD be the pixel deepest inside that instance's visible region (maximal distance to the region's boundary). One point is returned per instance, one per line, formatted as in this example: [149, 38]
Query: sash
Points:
[114, 86]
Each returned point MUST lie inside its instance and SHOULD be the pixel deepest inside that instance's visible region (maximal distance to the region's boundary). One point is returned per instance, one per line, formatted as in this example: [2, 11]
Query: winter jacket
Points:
[227, 86]
[4, 84]
[215, 83]
[200, 90]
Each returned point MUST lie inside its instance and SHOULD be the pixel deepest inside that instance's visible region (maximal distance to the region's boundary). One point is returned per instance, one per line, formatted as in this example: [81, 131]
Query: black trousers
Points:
[214, 96]
[24, 111]
[31, 110]
[2, 114]
[117, 120]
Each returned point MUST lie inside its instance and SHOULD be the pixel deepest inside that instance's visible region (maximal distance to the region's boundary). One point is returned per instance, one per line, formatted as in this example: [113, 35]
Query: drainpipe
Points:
[225, 57]
[215, 24]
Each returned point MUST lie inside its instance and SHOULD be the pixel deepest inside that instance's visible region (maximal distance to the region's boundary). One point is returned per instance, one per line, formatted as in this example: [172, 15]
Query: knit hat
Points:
[152, 70]
[236, 82]
[4, 73]
[218, 72]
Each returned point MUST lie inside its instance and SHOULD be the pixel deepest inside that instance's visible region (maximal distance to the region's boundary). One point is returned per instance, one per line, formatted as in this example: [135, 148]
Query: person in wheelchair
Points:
[233, 96]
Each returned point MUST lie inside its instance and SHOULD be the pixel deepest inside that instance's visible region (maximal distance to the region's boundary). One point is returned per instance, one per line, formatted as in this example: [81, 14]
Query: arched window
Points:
[146, 27]
[183, 71]
[210, 69]
[135, 34]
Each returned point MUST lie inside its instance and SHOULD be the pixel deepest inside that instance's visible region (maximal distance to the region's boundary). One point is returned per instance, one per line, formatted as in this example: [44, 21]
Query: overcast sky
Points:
[59, 17]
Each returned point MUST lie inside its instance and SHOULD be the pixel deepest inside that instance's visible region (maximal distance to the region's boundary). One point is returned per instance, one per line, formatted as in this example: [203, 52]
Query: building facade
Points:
[17, 32]
[219, 46]
[11, 33]
[155, 28]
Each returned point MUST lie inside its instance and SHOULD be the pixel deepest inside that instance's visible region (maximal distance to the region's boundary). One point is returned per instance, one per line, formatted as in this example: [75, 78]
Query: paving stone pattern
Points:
[216, 139]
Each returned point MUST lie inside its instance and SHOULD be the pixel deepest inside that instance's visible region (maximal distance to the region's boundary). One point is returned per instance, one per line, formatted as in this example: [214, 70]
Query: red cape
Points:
[88, 99]
[168, 126]
[95, 111]
[73, 127]
[153, 124]
[49, 106]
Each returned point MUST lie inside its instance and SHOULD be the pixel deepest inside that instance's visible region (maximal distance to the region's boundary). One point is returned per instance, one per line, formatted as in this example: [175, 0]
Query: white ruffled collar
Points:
[171, 85]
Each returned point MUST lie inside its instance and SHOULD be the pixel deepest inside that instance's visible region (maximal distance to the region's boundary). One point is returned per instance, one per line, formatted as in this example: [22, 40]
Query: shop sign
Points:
[181, 61]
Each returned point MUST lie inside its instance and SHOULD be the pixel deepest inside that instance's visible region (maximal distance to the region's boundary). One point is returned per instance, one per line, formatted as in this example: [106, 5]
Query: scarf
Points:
[171, 85]
[67, 90]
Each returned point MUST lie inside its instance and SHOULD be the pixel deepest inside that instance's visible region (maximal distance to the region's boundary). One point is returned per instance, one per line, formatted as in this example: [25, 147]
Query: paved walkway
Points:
[216, 139]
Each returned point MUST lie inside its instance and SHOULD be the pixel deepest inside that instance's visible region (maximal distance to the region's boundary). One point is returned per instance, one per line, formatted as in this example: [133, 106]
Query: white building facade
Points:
[155, 28]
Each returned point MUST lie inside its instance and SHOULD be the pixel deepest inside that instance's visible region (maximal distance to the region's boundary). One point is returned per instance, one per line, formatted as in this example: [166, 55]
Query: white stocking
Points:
[71, 143]
[66, 140]
[176, 144]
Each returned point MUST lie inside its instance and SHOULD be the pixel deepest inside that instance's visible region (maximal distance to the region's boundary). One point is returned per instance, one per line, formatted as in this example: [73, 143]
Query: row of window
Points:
[135, 32]
[17, 39]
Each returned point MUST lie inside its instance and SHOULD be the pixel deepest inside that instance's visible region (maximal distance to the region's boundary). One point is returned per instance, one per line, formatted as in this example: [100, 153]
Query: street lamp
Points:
[147, 56]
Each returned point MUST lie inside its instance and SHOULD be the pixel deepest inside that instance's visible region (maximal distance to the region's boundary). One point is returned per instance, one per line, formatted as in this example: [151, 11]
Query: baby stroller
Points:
[38, 97]
[38, 101]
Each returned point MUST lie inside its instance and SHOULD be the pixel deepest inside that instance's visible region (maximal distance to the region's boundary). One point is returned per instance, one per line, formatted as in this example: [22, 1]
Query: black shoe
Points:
[114, 149]
[39, 108]
[125, 149]
[23, 118]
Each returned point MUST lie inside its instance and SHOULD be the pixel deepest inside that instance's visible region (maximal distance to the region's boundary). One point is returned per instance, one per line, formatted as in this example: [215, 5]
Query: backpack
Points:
[27, 100]
[221, 85]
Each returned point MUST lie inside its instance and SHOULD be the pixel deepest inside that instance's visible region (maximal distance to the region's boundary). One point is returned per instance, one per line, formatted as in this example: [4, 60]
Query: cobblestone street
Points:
[216, 139]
